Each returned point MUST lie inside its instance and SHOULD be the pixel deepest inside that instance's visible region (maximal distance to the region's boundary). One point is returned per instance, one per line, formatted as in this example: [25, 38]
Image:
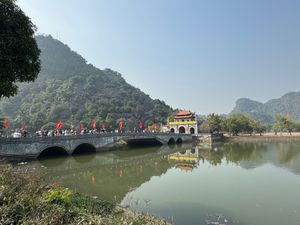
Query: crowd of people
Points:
[66, 132]
[22, 132]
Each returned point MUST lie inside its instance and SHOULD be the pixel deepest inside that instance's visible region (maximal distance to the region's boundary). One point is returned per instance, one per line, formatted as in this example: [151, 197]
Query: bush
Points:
[92, 205]
[58, 195]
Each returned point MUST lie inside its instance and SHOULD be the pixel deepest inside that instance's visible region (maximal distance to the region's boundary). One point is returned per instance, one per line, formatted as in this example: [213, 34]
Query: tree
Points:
[238, 123]
[289, 126]
[19, 53]
[258, 127]
[282, 123]
[2, 121]
[297, 127]
[212, 124]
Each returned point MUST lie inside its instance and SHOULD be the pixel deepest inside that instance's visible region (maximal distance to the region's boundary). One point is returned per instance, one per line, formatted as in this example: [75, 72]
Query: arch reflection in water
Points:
[84, 148]
[52, 162]
[85, 158]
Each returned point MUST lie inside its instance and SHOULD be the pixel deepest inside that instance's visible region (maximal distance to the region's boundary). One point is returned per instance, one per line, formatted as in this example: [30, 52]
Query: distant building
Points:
[184, 122]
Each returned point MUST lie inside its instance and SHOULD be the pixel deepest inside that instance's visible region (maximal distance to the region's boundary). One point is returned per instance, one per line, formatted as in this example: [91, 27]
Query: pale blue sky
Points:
[193, 54]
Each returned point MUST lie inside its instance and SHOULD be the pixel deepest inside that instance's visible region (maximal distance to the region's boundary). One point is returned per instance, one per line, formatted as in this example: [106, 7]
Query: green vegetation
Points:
[27, 199]
[284, 124]
[233, 125]
[287, 105]
[2, 123]
[212, 124]
[240, 123]
[70, 90]
[236, 124]
[19, 54]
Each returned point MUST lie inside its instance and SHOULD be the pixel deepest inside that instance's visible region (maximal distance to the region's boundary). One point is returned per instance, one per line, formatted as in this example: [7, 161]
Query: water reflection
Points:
[113, 174]
[86, 158]
[186, 160]
[191, 184]
[53, 163]
[109, 175]
[233, 153]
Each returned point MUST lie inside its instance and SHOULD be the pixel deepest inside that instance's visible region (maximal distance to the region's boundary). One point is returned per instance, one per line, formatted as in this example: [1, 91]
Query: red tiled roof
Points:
[183, 113]
[184, 117]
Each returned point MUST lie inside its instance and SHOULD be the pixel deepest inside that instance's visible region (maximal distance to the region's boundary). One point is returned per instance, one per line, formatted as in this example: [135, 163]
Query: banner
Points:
[121, 124]
[6, 124]
[94, 124]
[59, 125]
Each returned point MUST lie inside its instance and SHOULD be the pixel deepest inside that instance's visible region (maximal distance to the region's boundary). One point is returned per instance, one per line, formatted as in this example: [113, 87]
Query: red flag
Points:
[59, 125]
[103, 126]
[141, 124]
[121, 124]
[81, 127]
[6, 124]
[94, 124]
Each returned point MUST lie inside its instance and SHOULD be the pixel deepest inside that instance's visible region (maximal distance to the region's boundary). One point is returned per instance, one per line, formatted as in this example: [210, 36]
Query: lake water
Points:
[236, 184]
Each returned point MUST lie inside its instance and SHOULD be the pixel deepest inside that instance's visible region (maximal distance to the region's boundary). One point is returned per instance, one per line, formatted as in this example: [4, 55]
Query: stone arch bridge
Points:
[35, 147]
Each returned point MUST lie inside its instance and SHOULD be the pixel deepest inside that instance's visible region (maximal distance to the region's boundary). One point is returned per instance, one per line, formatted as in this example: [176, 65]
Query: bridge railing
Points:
[85, 136]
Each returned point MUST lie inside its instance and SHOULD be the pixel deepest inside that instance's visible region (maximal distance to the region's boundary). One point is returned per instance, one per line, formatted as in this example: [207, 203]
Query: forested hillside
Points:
[70, 90]
[288, 105]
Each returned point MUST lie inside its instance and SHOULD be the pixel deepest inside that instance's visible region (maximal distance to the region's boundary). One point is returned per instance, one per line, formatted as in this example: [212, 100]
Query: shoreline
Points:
[244, 138]
[51, 203]
[263, 138]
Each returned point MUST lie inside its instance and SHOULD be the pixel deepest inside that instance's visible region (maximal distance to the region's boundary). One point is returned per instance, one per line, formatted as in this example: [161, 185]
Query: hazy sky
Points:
[193, 54]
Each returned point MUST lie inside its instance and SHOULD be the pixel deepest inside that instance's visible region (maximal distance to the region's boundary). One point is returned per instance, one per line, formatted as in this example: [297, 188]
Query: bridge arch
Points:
[84, 148]
[179, 141]
[171, 141]
[144, 142]
[52, 152]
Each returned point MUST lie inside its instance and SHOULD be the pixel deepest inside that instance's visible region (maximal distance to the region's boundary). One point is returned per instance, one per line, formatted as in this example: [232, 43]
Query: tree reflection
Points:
[234, 153]
[252, 155]
[238, 152]
[287, 153]
[214, 156]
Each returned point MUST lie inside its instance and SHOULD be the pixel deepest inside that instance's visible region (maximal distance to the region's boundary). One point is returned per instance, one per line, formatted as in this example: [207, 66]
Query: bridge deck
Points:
[33, 147]
[85, 136]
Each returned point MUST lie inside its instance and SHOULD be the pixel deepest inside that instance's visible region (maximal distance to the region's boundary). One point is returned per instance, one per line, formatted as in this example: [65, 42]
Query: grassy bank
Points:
[25, 198]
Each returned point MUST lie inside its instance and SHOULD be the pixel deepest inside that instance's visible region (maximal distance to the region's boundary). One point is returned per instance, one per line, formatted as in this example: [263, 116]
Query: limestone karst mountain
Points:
[73, 91]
